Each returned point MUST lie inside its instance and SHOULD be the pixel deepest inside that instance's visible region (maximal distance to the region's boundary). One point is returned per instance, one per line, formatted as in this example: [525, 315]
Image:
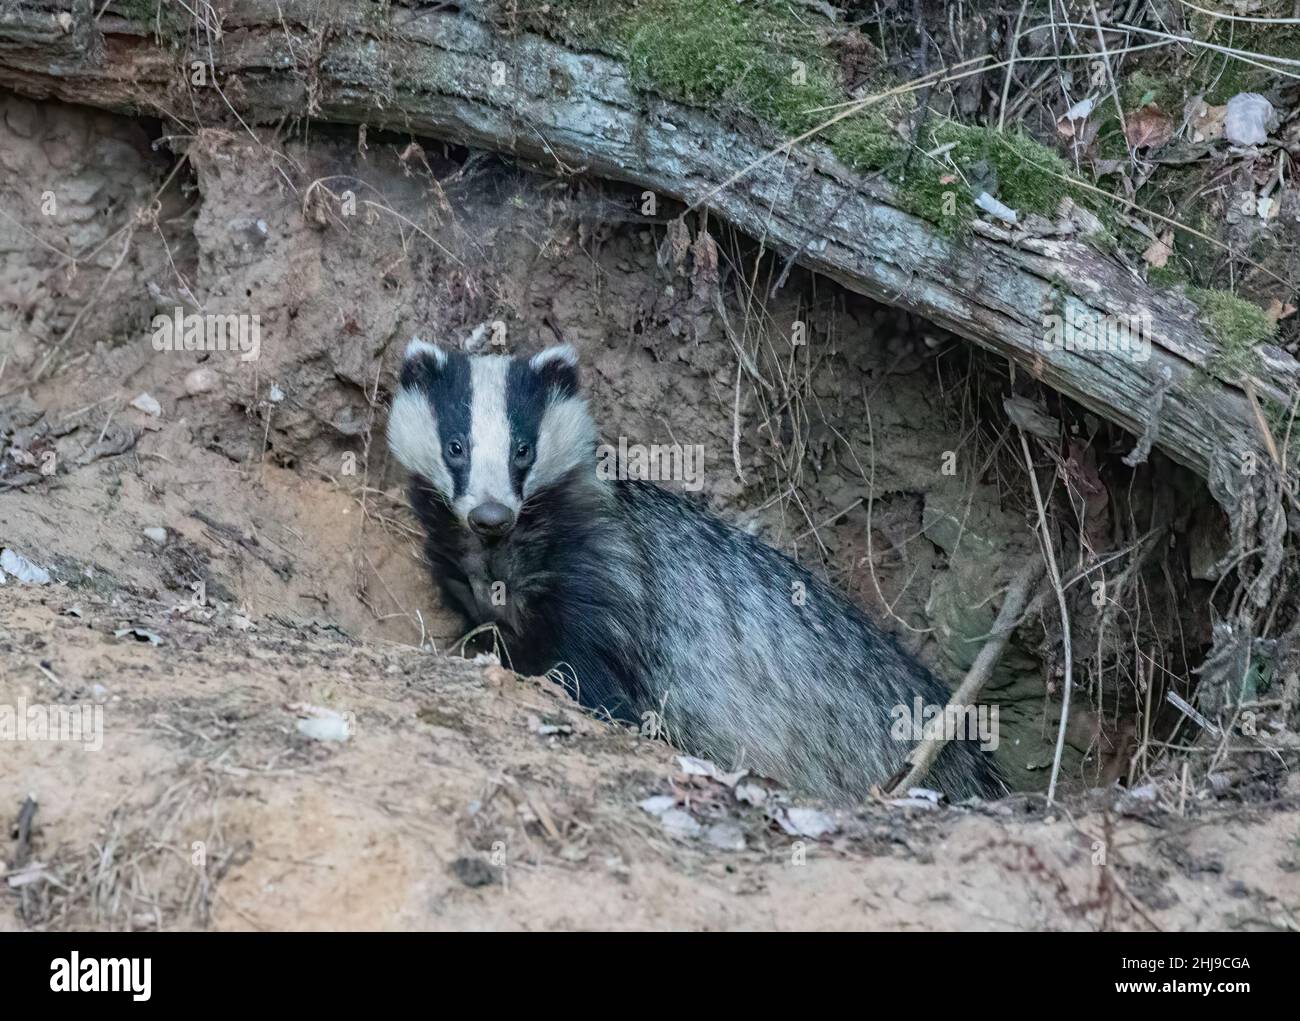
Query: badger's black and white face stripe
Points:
[489, 431]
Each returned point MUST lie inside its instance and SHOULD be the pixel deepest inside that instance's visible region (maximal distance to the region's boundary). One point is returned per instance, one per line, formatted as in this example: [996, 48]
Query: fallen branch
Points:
[23, 830]
[1013, 605]
[1054, 574]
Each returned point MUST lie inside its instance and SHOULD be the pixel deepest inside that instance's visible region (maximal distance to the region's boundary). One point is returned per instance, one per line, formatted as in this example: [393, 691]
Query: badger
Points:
[641, 603]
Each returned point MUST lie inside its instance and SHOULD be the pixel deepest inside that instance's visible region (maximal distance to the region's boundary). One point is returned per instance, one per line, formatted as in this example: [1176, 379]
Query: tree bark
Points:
[456, 74]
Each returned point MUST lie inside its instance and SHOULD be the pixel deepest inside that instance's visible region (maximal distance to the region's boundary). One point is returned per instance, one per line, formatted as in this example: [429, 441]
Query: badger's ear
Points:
[558, 367]
[421, 362]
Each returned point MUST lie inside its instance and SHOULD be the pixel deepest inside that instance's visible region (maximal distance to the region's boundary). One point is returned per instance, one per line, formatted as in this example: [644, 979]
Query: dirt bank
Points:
[465, 797]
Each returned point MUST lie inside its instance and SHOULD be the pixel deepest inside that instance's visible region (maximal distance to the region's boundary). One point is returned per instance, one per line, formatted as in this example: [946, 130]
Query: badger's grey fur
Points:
[640, 601]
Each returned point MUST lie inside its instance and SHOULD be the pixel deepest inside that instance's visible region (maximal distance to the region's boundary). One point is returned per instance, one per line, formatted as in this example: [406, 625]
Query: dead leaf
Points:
[1278, 310]
[1065, 125]
[1148, 128]
[692, 766]
[676, 245]
[1158, 252]
[1081, 109]
[1025, 414]
[1205, 122]
[704, 266]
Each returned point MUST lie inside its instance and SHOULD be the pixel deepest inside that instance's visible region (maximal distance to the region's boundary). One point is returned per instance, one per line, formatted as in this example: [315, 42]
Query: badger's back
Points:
[759, 663]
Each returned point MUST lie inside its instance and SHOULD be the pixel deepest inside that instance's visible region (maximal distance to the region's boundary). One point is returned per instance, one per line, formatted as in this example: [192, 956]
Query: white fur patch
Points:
[566, 439]
[419, 347]
[413, 439]
[489, 436]
[559, 353]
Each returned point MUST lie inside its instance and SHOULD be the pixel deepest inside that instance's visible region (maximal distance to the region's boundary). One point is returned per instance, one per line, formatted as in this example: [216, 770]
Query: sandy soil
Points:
[451, 805]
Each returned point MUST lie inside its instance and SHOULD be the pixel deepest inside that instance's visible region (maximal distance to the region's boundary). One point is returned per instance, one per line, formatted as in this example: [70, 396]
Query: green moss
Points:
[1280, 422]
[1104, 240]
[1144, 87]
[1021, 172]
[1219, 76]
[1171, 274]
[580, 23]
[762, 59]
[759, 58]
[1197, 250]
[1224, 77]
[1233, 320]
[756, 57]
[136, 10]
[1238, 326]
[162, 17]
[1031, 177]
[867, 142]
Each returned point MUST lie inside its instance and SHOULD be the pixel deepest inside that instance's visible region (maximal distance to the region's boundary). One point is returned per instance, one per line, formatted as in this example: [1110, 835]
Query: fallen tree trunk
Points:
[452, 73]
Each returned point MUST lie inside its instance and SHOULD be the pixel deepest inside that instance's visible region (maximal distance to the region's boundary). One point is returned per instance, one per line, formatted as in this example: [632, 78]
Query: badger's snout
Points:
[491, 520]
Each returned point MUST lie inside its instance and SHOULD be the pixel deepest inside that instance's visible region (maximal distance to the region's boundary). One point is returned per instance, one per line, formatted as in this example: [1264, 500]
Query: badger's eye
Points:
[455, 450]
[523, 453]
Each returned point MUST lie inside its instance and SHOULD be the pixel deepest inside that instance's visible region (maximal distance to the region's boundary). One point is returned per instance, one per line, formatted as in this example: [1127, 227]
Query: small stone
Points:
[474, 872]
[325, 725]
[158, 536]
[200, 381]
[24, 570]
[799, 821]
[681, 824]
[147, 404]
[658, 804]
[726, 836]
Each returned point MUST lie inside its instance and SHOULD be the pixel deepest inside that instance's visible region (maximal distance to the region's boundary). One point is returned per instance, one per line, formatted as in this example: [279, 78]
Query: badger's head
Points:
[488, 432]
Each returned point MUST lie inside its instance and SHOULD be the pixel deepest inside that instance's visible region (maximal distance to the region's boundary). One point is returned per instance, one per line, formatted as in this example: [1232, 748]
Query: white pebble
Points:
[200, 381]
